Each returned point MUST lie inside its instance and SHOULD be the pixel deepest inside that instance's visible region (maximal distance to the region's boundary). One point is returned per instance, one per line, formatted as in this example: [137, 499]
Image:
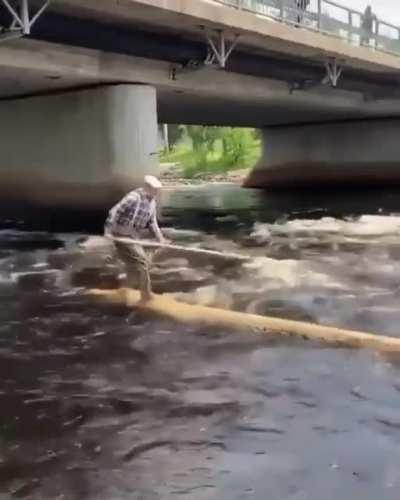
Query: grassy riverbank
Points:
[204, 151]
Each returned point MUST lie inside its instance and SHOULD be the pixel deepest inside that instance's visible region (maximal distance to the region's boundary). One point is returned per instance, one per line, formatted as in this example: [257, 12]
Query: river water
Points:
[98, 402]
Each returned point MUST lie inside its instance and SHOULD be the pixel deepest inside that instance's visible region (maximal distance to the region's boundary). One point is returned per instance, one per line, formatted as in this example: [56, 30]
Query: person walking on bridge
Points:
[136, 212]
[301, 7]
[367, 26]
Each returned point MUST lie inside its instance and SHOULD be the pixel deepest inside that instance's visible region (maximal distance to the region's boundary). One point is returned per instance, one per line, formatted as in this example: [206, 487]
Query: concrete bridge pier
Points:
[80, 148]
[349, 153]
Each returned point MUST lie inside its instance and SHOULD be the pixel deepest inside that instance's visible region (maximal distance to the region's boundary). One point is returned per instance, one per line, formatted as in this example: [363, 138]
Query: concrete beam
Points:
[247, 100]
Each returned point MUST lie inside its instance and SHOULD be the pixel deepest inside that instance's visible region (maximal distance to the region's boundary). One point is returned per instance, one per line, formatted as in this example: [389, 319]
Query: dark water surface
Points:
[98, 402]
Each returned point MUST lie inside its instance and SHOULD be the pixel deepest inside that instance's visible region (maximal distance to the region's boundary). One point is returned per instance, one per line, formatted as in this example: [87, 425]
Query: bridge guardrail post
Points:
[350, 30]
[319, 14]
[282, 10]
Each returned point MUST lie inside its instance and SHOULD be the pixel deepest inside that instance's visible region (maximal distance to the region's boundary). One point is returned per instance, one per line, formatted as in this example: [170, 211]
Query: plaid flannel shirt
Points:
[136, 211]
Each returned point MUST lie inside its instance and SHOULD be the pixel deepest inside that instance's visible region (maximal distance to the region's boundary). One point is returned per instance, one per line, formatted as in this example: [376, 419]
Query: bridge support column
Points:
[78, 149]
[361, 153]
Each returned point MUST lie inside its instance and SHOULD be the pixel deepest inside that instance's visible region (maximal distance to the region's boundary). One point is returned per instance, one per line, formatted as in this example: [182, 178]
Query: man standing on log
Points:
[136, 212]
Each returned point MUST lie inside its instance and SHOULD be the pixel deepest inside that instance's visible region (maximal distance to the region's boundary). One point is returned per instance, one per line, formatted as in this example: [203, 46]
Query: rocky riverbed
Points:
[172, 175]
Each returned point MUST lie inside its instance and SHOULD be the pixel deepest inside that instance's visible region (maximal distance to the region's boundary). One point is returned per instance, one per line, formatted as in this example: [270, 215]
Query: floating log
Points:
[166, 306]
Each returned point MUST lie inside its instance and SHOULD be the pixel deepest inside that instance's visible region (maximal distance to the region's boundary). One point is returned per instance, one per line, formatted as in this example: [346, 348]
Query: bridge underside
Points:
[85, 148]
[79, 126]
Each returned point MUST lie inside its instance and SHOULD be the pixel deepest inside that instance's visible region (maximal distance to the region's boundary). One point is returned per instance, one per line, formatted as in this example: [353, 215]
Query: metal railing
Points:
[328, 17]
[21, 19]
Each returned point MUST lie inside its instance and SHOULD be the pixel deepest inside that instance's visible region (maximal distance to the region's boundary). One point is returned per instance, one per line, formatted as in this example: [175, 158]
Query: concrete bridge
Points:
[84, 82]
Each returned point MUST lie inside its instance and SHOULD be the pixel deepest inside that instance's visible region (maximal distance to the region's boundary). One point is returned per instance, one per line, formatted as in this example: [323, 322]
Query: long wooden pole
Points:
[162, 305]
[194, 250]
[97, 242]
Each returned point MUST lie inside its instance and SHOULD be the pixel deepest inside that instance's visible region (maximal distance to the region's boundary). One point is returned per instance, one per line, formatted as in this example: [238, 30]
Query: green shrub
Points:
[215, 150]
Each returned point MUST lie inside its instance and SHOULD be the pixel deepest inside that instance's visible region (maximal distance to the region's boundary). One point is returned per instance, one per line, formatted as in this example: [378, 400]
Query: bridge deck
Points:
[273, 77]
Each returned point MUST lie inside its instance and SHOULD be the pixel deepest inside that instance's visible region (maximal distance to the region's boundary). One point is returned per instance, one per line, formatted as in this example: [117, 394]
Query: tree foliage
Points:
[215, 149]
